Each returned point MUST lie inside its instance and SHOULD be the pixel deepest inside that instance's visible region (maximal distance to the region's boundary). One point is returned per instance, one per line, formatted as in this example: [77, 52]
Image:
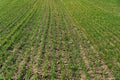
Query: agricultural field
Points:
[59, 39]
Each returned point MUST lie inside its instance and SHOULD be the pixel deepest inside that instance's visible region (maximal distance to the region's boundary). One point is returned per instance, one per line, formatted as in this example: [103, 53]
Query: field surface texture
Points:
[59, 39]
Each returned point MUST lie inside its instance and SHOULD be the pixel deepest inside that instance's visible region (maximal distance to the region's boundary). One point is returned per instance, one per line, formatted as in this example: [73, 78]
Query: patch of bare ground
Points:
[83, 76]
